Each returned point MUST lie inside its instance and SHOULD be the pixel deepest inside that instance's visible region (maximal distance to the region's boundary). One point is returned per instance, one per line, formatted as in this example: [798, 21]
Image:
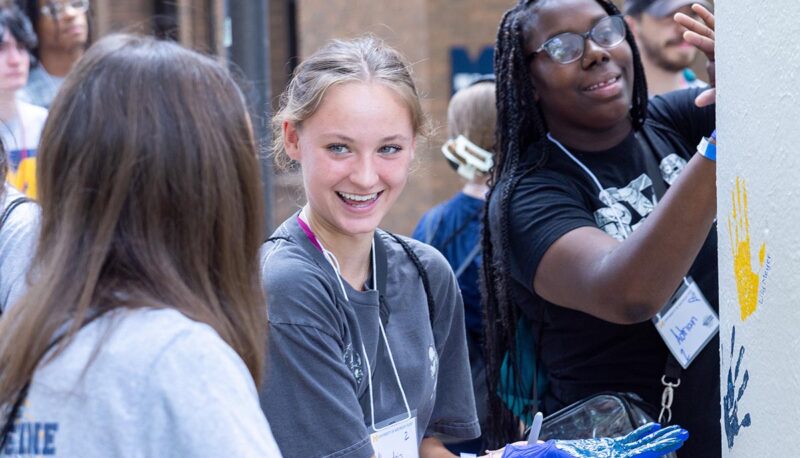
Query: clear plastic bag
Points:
[602, 415]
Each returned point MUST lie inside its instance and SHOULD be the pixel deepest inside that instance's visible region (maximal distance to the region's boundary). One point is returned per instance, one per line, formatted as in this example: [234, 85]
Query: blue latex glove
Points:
[648, 441]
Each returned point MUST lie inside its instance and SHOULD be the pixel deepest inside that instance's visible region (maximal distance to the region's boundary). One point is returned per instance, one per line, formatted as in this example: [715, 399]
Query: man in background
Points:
[62, 27]
[665, 55]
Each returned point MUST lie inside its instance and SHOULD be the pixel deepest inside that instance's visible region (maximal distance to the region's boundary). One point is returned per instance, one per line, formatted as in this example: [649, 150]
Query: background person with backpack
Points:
[454, 227]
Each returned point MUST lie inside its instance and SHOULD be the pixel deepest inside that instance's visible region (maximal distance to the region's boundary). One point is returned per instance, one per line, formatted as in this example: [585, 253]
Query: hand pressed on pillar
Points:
[747, 281]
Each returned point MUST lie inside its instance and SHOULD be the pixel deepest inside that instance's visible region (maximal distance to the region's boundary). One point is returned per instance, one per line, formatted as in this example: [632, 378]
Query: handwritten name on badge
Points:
[687, 323]
[681, 333]
[397, 441]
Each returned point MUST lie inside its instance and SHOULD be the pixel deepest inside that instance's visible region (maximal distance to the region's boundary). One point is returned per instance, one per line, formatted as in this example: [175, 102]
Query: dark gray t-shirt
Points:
[316, 394]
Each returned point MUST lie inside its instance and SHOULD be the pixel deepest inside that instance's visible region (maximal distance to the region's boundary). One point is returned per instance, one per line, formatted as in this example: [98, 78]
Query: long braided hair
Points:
[520, 124]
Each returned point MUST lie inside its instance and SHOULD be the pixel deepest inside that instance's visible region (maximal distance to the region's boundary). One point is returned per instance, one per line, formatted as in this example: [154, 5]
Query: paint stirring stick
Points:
[536, 427]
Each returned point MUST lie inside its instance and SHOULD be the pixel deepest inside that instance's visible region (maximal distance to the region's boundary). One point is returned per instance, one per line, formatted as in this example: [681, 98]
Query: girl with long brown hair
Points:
[144, 332]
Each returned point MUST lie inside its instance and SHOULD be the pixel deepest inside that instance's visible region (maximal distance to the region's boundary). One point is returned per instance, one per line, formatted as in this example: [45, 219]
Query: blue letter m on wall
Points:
[464, 71]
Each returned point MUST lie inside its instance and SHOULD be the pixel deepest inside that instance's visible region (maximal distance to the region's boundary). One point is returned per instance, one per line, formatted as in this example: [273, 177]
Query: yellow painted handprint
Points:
[739, 232]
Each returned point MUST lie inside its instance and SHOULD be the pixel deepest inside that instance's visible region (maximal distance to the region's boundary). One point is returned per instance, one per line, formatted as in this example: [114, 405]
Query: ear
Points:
[413, 147]
[535, 95]
[291, 140]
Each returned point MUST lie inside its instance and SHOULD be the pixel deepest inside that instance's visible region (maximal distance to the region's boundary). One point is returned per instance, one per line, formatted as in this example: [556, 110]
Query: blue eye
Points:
[389, 149]
[338, 148]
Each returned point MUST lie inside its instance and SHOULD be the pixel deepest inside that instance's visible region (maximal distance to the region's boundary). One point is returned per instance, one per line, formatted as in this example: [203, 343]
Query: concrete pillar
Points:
[758, 216]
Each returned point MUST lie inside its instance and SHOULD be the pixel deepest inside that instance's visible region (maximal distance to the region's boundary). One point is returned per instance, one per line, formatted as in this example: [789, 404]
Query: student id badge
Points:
[398, 439]
[687, 322]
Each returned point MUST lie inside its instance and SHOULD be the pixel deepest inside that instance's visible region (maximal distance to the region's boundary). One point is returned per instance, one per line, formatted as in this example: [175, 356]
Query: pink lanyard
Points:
[309, 233]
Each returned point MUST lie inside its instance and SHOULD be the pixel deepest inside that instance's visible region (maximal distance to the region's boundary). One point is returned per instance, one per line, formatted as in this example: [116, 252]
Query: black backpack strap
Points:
[670, 380]
[7, 213]
[381, 267]
[13, 411]
[423, 273]
[12, 414]
[10, 208]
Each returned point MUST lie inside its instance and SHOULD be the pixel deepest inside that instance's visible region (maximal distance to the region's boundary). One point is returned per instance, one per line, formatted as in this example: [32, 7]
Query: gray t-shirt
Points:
[17, 246]
[161, 385]
[315, 392]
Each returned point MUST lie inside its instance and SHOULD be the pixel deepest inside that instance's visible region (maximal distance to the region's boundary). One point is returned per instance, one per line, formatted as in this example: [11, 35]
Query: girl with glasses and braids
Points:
[145, 336]
[599, 209]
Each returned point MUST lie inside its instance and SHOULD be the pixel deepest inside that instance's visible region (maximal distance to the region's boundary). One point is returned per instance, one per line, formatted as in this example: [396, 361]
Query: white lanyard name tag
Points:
[398, 440]
[687, 322]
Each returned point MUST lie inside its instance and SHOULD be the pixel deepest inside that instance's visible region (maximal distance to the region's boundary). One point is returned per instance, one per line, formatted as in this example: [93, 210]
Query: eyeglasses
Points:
[568, 47]
[55, 9]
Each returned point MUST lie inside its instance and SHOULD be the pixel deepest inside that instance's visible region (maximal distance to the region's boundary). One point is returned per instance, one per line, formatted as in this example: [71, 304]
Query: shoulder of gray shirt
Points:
[289, 271]
[435, 264]
[135, 341]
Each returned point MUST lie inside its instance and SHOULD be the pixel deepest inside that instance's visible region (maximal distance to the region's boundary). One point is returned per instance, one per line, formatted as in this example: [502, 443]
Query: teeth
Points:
[603, 84]
[358, 198]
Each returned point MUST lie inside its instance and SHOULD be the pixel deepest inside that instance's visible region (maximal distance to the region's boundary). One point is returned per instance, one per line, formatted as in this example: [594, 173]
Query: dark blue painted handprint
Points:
[731, 404]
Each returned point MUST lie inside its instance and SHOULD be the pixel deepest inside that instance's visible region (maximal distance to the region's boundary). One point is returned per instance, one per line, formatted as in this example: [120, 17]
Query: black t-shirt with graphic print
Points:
[583, 354]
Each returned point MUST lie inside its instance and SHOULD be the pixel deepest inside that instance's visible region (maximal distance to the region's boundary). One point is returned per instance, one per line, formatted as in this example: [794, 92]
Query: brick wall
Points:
[424, 31]
[111, 16]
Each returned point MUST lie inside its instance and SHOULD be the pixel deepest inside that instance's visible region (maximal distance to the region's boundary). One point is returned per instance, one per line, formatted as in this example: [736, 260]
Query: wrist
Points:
[708, 147]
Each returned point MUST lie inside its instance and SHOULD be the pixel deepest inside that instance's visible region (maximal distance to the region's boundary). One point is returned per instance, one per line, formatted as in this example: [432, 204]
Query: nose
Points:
[593, 54]
[365, 172]
[68, 13]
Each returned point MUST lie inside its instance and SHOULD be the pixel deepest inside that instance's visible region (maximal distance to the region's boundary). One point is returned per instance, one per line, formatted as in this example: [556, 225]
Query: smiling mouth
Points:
[603, 84]
[358, 200]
